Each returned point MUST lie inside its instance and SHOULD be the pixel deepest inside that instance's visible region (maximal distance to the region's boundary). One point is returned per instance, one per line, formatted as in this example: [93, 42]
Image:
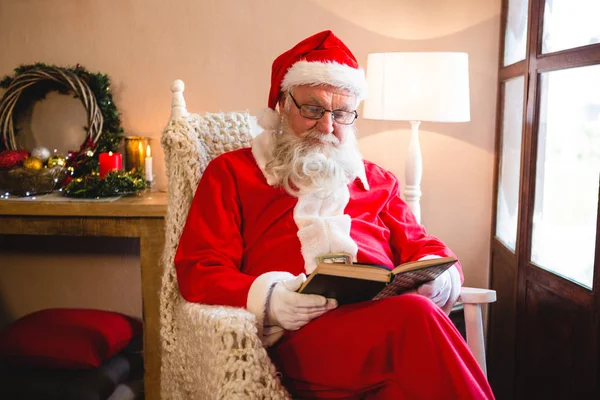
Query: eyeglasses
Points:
[316, 112]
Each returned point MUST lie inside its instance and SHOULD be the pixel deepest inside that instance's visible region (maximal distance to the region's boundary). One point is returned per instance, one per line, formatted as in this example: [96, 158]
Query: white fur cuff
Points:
[257, 298]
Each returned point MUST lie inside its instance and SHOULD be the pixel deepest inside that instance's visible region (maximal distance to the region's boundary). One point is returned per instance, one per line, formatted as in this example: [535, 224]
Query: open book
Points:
[352, 283]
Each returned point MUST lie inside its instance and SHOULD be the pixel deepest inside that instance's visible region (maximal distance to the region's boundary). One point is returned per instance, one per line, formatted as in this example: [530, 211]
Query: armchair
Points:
[214, 352]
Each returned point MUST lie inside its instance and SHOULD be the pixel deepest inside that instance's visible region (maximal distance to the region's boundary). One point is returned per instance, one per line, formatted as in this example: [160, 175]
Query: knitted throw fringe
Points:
[208, 352]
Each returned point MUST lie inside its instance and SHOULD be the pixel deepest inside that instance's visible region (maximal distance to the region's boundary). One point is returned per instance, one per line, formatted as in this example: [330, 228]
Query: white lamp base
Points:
[414, 172]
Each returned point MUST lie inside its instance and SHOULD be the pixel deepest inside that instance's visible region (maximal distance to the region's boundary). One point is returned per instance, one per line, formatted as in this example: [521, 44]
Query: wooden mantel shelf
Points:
[147, 204]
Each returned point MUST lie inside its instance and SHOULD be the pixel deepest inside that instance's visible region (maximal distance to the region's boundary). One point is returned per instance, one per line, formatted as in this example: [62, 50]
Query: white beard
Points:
[313, 162]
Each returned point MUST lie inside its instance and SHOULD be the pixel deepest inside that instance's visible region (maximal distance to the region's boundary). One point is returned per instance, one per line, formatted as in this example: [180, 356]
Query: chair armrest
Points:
[215, 348]
[469, 295]
[207, 320]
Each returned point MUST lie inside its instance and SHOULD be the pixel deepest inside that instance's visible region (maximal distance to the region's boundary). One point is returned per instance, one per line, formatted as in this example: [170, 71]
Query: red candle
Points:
[110, 161]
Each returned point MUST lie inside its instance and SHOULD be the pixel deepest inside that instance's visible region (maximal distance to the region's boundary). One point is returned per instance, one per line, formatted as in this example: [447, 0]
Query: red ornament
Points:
[12, 158]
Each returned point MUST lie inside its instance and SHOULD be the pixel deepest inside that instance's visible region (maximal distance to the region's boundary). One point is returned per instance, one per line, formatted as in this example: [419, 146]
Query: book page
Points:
[355, 271]
[414, 265]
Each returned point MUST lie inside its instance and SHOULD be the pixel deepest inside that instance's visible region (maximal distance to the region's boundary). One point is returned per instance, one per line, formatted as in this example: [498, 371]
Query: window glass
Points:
[510, 163]
[570, 23]
[515, 34]
[567, 173]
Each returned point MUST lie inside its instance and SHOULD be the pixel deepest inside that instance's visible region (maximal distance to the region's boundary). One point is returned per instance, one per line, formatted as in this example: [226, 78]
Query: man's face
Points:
[328, 97]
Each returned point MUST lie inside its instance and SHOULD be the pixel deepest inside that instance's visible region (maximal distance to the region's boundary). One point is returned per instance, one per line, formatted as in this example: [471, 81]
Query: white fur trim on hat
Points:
[256, 302]
[268, 119]
[326, 73]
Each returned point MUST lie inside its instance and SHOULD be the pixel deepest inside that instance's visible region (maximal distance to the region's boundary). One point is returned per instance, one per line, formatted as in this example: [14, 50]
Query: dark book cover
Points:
[345, 290]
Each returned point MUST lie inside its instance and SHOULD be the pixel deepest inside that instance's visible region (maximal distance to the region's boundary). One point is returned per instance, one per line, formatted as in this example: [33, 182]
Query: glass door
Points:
[544, 330]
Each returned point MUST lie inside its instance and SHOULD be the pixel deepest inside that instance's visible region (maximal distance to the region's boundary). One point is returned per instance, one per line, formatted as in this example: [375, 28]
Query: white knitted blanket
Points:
[208, 352]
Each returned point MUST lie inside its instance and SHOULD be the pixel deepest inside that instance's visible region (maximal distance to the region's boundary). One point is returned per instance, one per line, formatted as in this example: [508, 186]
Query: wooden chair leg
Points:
[474, 327]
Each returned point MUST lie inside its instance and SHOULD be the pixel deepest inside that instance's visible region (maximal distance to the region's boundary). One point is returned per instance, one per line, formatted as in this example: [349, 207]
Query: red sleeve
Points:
[208, 258]
[408, 238]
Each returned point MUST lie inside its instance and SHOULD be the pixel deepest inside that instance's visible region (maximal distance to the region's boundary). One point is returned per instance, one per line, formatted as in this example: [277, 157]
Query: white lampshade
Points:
[418, 87]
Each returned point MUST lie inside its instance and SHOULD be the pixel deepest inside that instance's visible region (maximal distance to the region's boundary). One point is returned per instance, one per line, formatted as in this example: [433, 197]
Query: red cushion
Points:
[67, 338]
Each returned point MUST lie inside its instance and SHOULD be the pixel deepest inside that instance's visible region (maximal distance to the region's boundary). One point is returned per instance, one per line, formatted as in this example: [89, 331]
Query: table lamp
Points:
[415, 87]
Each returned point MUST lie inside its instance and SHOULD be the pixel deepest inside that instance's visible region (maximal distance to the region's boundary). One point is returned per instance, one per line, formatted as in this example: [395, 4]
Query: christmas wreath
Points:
[31, 83]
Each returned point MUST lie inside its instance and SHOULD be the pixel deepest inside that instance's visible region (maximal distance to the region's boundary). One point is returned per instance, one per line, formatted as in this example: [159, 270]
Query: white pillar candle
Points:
[148, 164]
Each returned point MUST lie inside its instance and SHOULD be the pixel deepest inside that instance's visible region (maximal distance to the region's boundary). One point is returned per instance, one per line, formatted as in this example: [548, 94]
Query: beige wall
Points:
[223, 51]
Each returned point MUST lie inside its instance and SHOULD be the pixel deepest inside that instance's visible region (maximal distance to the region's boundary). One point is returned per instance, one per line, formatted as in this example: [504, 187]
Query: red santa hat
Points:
[322, 59]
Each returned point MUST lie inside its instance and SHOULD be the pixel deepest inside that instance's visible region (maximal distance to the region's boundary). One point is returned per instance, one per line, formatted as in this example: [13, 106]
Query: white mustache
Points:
[325, 138]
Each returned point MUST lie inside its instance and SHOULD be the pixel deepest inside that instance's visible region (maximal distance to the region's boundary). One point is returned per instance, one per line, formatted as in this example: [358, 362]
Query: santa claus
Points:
[262, 216]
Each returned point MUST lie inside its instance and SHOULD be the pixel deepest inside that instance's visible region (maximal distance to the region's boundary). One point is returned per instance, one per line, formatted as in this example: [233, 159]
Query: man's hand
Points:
[292, 310]
[443, 290]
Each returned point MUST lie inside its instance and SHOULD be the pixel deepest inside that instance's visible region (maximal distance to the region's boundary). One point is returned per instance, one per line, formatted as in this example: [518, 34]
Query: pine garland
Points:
[115, 183]
[85, 160]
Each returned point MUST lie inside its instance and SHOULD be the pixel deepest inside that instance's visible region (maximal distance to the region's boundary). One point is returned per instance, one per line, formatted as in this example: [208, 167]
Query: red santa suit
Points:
[243, 235]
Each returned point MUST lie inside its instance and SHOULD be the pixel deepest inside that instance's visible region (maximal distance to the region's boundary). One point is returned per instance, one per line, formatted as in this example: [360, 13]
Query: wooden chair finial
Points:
[178, 107]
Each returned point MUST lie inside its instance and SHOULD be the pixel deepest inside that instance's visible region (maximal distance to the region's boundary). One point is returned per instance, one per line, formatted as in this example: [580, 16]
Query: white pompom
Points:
[269, 119]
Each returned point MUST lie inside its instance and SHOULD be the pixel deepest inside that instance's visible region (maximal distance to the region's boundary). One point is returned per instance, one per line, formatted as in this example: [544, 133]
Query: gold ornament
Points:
[33, 163]
[56, 160]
